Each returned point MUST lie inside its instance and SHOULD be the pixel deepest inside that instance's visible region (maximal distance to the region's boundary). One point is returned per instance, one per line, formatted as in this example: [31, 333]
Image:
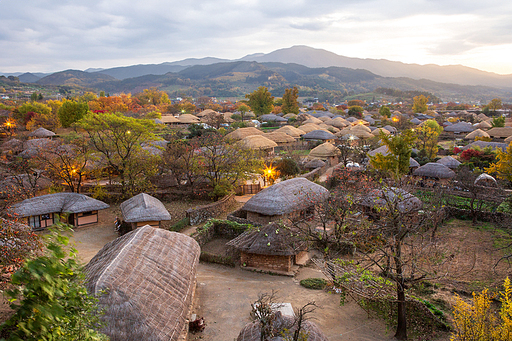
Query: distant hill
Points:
[74, 78]
[314, 58]
[28, 78]
[235, 79]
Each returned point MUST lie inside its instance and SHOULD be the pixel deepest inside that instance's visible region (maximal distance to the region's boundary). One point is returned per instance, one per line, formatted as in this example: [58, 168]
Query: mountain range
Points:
[300, 65]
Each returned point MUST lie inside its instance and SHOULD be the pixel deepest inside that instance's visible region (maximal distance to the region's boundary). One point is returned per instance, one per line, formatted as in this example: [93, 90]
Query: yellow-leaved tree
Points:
[477, 321]
[503, 165]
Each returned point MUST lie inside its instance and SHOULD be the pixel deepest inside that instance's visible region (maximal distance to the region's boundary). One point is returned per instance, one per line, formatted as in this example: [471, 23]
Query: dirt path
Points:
[224, 296]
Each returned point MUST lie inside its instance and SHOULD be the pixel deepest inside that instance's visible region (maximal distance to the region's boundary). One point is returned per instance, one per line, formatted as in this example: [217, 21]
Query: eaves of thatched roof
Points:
[58, 203]
[434, 170]
[272, 239]
[146, 279]
[286, 197]
[143, 207]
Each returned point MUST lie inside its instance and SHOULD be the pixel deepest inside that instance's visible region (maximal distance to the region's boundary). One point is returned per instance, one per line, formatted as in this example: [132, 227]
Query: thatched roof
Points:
[476, 133]
[382, 150]
[169, 119]
[290, 115]
[306, 128]
[434, 170]
[484, 144]
[257, 142]
[415, 121]
[389, 128]
[483, 125]
[272, 118]
[148, 280]
[240, 133]
[319, 134]
[376, 132]
[58, 203]
[272, 239]
[324, 151]
[315, 163]
[484, 179]
[337, 122]
[324, 118]
[279, 137]
[286, 197]
[13, 144]
[413, 163]
[351, 119]
[205, 112]
[361, 131]
[392, 197]
[482, 117]
[449, 162]
[508, 139]
[460, 127]
[500, 132]
[329, 128]
[188, 119]
[143, 207]
[41, 133]
[291, 130]
[312, 120]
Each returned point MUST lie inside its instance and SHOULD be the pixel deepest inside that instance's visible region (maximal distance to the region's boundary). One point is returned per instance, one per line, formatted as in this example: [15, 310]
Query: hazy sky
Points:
[54, 35]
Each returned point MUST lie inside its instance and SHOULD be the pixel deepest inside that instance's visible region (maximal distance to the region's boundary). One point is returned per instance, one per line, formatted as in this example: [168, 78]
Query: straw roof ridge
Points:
[286, 197]
[148, 277]
[143, 207]
[434, 170]
[273, 239]
[58, 203]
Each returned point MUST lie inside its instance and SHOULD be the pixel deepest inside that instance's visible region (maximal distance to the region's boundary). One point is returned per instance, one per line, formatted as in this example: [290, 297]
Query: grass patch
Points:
[314, 283]
[180, 225]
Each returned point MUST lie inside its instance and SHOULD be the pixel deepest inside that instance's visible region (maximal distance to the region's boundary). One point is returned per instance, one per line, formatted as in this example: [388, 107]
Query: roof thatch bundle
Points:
[483, 125]
[324, 151]
[343, 132]
[476, 133]
[188, 119]
[272, 118]
[291, 130]
[41, 133]
[169, 119]
[392, 197]
[485, 144]
[286, 197]
[258, 142]
[58, 203]
[143, 207]
[313, 120]
[319, 134]
[308, 127]
[486, 180]
[148, 280]
[361, 131]
[415, 121]
[252, 331]
[324, 118]
[382, 150]
[240, 133]
[13, 144]
[508, 139]
[205, 112]
[460, 127]
[314, 164]
[449, 162]
[272, 239]
[279, 137]
[500, 132]
[329, 128]
[434, 170]
[337, 122]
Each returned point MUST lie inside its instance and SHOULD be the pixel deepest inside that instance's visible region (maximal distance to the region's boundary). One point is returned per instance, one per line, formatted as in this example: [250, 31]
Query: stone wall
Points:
[203, 213]
[266, 262]
[216, 229]
[499, 217]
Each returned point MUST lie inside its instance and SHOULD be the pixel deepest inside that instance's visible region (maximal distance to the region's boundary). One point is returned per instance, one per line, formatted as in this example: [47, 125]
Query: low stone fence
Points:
[203, 213]
[495, 217]
[218, 228]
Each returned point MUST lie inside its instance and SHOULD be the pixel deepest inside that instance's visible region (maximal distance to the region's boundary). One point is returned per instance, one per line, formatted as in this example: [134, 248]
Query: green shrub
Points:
[314, 283]
[180, 225]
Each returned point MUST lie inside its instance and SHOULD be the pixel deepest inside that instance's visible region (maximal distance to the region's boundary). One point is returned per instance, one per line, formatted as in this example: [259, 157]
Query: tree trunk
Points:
[401, 328]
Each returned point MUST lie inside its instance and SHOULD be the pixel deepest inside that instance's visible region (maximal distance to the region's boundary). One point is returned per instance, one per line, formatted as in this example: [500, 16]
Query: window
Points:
[34, 222]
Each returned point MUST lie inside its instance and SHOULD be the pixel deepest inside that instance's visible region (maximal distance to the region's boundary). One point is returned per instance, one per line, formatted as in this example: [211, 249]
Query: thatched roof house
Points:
[148, 277]
[313, 120]
[449, 162]
[314, 164]
[361, 131]
[483, 125]
[240, 133]
[434, 170]
[476, 133]
[337, 122]
[500, 132]
[272, 247]
[272, 118]
[319, 134]
[287, 199]
[376, 132]
[258, 142]
[188, 119]
[205, 112]
[279, 137]
[325, 151]
[291, 130]
[306, 128]
[42, 133]
[169, 119]
[460, 127]
[392, 197]
[485, 144]
[508, 139]
[486, 180]
[391, 129]
[43, 211]
[143, 209]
